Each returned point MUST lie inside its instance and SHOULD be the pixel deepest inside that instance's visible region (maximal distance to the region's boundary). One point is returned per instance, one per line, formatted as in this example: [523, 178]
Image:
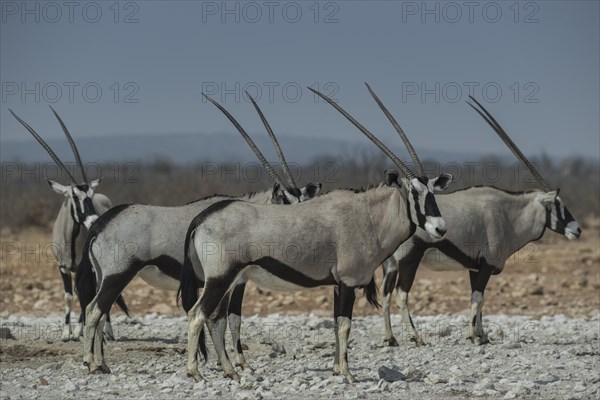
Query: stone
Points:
[5, 333]
[390, 374]
[71, 386]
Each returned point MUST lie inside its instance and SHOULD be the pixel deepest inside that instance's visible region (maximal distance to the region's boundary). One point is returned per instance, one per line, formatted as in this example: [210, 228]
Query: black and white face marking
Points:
[558, 217]
[295, 195]
[80, 196]
[423, 207]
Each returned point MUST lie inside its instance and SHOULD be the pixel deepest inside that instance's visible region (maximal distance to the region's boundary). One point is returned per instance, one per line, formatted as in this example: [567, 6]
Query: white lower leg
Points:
[108, 331]
[98, 344]
[344, 325]
[217, 332]
[476, 300]
[336, 359]
[92, 317]
[196, 321]
[402, 302]
[235, 323]
[66, 333]
[388, 335]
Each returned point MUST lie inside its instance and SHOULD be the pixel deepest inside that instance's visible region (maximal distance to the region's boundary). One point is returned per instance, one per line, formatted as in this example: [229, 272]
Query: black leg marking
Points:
[346, 302]
[408, 265]
[479, 279]
[237, 298]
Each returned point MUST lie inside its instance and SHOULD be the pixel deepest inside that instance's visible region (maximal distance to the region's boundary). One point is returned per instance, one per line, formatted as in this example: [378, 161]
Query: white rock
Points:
[484, 384]
[71, 386]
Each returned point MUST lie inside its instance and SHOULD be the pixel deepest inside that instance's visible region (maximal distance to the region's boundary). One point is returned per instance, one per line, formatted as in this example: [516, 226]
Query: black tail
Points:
[371, 293]
[188, 289]
[121, 303]
[85, 279]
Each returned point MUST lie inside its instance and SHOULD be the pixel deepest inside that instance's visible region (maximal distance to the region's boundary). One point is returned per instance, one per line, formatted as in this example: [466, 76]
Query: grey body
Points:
[150, 242]
[339, 239]
[486, 227]
[79, 210]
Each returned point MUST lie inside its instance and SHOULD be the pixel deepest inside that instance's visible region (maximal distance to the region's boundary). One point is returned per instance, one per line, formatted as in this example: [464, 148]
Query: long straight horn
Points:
[368, 134]
[284, 166]
[509, 143]
[72, 143]
[241, 130]
[411, 150]
[45, 146]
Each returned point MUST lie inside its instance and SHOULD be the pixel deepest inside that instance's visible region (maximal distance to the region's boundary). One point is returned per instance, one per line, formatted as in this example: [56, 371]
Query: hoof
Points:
[197, 377]
[479, 340]
[232, 375]
[109, 336]
[245, 366]
[244, 347]
[350, 377]
[104, 369]
[418, 341]
[391, 342]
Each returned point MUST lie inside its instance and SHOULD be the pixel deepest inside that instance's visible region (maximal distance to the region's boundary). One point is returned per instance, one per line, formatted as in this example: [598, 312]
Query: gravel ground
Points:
[552, 357]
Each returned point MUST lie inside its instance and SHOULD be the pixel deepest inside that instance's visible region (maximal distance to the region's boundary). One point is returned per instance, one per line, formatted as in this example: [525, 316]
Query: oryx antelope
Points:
[188, 290]
[487, 225]
[80, 208]
[338, 238]
[150, 240]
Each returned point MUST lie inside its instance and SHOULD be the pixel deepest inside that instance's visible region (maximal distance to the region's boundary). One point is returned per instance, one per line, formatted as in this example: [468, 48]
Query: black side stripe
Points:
[288, 274]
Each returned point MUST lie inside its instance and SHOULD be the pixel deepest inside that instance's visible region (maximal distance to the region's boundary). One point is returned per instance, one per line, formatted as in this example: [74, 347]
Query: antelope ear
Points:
[311, 190]
[547, 198]
[441, 182]
[391, 177]
[94, 184]
[58, 188]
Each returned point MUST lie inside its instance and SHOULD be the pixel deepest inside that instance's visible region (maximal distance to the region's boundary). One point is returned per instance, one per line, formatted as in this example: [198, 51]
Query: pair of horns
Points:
[49, 149]
[509, 143]
[374, 139]
[259, 154]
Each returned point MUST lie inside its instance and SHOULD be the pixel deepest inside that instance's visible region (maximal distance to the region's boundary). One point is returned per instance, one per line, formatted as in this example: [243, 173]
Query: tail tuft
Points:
[371, 293]
[121, 303]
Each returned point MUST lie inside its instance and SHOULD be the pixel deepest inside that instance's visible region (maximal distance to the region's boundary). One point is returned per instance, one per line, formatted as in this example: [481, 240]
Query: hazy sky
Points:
[140, 68]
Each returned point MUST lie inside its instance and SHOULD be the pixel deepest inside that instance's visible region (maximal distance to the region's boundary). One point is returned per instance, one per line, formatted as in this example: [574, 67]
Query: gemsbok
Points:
[488, 225]
[338, 239]
[80, 208]
[148, 240]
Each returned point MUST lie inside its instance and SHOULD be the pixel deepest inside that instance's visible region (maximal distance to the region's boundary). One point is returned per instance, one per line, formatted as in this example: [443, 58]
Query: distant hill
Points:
[184, 148]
